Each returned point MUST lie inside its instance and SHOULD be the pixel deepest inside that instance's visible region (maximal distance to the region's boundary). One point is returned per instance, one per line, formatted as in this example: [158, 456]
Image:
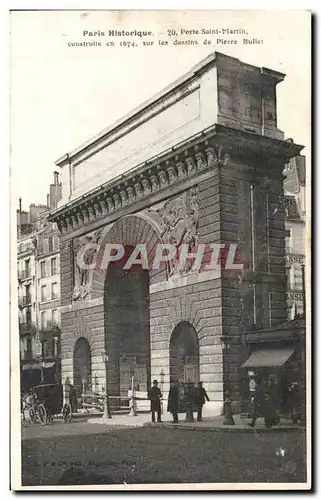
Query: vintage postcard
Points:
[161, 173]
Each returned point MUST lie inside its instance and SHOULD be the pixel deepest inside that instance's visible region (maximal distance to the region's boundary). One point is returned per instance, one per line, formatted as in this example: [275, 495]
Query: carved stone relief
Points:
[83, 277]
[180, 218]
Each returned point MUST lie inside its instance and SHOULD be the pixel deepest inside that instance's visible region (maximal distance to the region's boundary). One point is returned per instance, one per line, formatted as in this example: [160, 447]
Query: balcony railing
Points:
[25, 301]
[24, 274]
[27, 355]
[27, 327]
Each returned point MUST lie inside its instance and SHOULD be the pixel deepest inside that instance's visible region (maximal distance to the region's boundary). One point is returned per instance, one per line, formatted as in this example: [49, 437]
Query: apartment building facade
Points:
[39, 291]
[295, 240]
[27, 296]
[48, 286]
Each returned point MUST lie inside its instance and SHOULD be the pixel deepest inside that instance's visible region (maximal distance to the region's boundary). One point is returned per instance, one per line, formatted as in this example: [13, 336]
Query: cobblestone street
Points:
[82, 453]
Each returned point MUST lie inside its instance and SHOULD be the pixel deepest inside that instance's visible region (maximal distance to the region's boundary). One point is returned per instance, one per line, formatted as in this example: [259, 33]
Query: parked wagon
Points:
[48, 403]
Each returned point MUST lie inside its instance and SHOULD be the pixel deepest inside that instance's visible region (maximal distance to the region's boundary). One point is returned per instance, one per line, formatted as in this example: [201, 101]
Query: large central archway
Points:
[126, 306]
[184, 354]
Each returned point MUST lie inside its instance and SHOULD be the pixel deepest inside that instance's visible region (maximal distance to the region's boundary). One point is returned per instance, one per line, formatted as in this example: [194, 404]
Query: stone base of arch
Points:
[200, 305]
[98, 368]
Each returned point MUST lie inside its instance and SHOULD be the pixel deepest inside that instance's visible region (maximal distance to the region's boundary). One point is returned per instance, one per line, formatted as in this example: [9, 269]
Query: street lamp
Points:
[107, 413]
[227, 405]
[38, 346]
[303, 289]
[133, 411]
[55, 346]
[42, 364]
[162, 376]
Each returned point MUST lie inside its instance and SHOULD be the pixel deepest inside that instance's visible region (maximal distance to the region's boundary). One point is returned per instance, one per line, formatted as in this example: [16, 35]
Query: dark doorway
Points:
[82, 366]
[127, 327]
[184, 354]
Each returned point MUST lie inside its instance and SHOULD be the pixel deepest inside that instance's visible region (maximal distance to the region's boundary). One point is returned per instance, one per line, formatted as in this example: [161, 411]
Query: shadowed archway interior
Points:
[127, 308]
[82, 365]
[184, 353]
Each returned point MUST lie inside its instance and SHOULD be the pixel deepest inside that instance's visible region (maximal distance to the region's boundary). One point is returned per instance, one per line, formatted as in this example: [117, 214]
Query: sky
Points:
[62, 96]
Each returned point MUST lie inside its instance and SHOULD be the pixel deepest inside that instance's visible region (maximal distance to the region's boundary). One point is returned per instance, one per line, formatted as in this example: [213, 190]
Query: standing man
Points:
[258, 409]
[155, 396]
[200, 396]
[172, 405]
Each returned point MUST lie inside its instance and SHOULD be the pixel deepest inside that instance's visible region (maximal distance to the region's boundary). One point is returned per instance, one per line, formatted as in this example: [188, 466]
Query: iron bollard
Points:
[227, 411]
[132, 405]
[189, 412]
[189, 401]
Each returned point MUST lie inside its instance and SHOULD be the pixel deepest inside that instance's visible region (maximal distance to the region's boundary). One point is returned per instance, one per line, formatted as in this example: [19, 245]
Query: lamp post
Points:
[133, 412]
[38, 349]
[107, 413]
[227, 404]
[55, 346]
[303, 289]
[162, 377]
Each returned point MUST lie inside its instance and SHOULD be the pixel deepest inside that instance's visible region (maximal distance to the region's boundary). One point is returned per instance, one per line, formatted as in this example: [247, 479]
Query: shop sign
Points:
[295, 296]
[295, 259]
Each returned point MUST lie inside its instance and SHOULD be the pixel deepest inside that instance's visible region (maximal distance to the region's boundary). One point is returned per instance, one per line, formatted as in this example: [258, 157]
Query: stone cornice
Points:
[199, 154]
[131, 124]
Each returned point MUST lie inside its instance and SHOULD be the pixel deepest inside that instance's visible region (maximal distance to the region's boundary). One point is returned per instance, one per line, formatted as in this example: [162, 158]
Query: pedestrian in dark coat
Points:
[200, 397]
[73, 398]
[258, 403]
[155, 396]
[271, 416]
[172, 404]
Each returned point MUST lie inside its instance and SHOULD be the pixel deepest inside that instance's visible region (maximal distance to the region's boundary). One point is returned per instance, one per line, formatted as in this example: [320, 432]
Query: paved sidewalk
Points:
[214, 423]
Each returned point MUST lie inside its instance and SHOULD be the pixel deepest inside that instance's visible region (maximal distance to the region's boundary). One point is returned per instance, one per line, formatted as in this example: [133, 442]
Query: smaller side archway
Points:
[82, 365]
[184, 353]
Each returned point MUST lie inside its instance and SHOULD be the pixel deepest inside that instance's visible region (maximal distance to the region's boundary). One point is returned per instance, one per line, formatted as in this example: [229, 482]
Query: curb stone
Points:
[225, 428]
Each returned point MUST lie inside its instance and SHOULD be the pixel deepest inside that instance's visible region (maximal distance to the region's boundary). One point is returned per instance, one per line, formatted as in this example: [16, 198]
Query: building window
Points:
[43, 269]
[53, 266]
[28, 315]
[54, 290]
[27, 267]
[55, 243]
[43, 293]
[43, 319]
[50, 244]
[28, 294]
[297, 277]
[55, 320]
[288, 241]
[29, 349]
[288, 277]
[45, 245]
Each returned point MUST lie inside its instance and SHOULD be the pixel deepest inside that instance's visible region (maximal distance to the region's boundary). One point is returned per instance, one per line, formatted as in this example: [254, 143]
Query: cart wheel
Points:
[66, 412]
[32, 414]
[42, 414]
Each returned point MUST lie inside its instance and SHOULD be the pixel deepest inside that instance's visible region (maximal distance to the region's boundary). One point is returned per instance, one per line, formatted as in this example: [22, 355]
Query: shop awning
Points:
[269, 357]
[37, 366]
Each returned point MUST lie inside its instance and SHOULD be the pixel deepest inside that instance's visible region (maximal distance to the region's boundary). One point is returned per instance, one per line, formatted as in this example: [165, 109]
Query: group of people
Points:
[199, 397]
[270, 398]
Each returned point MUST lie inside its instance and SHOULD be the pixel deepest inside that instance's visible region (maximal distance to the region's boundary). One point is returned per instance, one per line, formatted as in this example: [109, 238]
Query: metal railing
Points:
[94, 402]
[27, 327]
[24, 274]
[50, 327]
[24, 301]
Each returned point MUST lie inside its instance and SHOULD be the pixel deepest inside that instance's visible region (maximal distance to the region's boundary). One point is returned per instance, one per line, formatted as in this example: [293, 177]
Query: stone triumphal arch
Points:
[200, 163]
